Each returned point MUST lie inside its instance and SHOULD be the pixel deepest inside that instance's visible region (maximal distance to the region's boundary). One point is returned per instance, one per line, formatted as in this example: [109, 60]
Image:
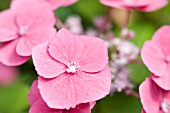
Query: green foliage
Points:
[138, 73]
[89, 8]
[4, 4]
[143, 31]
[64, 12]
[118, 103]
[13, 99]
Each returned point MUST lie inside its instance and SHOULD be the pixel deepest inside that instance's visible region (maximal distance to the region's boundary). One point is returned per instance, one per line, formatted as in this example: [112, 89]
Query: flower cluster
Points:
[73, 23]
[21, 30]
[73, 66]
[73, 71]
[155, 55]
[126, 52]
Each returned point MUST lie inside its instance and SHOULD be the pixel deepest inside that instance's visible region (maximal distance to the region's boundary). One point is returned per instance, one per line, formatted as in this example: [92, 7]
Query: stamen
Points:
[22, 30]
[165, 106]
[129, 1]
[73, 67]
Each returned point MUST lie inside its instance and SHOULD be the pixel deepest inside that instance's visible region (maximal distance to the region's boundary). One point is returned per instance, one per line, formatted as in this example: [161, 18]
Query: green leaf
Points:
[4, 4]
[159, 17]
[64, 12]
[13, 99]
[89, 8]
[118, 103]
[144, 31]
[138, 73]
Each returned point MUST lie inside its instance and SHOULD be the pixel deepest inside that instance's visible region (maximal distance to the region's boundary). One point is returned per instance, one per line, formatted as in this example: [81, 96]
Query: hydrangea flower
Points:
[154, 99]
[142, 5]
[73, 70]
[143, 111]
[39, 106]
[7, 74]
[120, 80]
[128, 50]
[73, 23]
[100, 22]
[60, 3]
[91, 32]
[21, 30]
[156, 56]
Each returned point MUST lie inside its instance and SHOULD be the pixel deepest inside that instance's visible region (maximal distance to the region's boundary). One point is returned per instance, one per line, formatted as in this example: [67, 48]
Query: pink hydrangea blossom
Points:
[143, 111]
[73, 23]
[156, 56]
[22, 27]
[120, 80]
[7, 74]
[142, 5]
[59, 3]
[154, 99]
[39, 106]
[73, 70]
[100, 22]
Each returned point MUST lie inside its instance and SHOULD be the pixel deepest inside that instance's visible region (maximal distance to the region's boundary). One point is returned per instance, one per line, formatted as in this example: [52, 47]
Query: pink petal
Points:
[150, 95]
[7, 20]
[45, 65]
[61, 3]
[92, 104]
[66, 90]
[97, 84]
[8, 55]
[35, 37]
[139, 3]
[24, 47]
[66, 47]
[7, 74]
[40, 35]
[82, 108]
[167, 95]
[8, 30]
[7, 35]
[153, 58]
[162, 38]
[40, 107]
[163, 81]
[63, 92]
[33, 9]
[161, 32]
[142, 5]
[113, 3]
[122, 4]
[34, 94]
[95, 55]
[143, 111]
[153, 5]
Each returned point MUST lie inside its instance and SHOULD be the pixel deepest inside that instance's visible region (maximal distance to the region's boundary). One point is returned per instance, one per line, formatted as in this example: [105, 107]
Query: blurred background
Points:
[13, 97]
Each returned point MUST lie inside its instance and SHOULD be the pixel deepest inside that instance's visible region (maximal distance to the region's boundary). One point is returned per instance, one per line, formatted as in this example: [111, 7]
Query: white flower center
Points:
[22, 30]
[165, 106]
[73, 67]
[129, 1]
